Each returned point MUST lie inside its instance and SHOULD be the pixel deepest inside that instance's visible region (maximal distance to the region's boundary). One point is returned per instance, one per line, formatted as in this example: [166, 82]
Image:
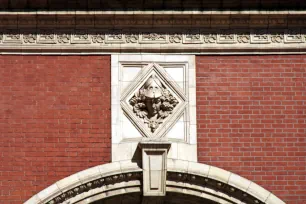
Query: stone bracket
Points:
[154, 164]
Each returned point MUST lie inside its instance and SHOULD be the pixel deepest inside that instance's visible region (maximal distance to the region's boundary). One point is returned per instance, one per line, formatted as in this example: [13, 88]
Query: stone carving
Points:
[12, 37]
[46, 37]
[115, 36]
[30, 38]
[210, 38]
[63, 38]
[80, 37]
[192, 37]
[293, 36]
[98, 183]
[132, 39]
[153, 38]
[98, 38]
[226, 37]
[177, 180]
[176, 38]
[260, 38]
[244, 38]
[153, 103]
[278, 38]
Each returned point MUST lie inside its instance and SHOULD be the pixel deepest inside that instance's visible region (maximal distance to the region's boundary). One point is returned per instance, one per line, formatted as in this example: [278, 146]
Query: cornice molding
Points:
[186, 32]
[155, 12]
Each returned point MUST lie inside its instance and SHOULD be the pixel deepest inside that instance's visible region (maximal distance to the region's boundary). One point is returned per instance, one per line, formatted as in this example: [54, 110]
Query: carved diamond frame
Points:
[170, 84]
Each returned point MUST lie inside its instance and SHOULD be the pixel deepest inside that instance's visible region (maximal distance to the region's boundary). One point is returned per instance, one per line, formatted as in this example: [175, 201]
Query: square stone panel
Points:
[153, 102]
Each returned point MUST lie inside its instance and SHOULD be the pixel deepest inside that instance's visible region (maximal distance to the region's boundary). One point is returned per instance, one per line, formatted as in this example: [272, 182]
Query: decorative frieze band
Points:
[140, 31]
[102, 38]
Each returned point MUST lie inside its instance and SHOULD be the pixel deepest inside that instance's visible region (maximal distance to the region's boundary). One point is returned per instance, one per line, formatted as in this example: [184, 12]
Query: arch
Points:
[188, 179]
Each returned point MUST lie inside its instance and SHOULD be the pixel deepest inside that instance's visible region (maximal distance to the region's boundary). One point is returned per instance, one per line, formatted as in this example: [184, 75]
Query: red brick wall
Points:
[54, 120]
[252, 119]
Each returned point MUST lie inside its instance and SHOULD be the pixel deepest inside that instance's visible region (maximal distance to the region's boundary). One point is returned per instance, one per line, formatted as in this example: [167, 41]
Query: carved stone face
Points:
[153, 102]
[153, 88]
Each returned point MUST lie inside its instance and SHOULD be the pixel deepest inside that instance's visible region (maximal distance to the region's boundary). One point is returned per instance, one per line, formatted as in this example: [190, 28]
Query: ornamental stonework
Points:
[153, 102]
[191, 40]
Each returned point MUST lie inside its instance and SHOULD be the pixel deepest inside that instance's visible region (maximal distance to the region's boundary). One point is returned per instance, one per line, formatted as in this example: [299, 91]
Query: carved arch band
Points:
[187, 182]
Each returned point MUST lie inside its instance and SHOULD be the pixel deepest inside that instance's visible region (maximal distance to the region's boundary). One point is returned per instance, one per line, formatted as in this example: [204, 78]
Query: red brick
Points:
[265, 104]
[48, 126]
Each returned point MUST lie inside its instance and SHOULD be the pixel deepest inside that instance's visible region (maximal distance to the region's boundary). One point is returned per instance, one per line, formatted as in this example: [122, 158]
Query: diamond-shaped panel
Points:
[153, 102]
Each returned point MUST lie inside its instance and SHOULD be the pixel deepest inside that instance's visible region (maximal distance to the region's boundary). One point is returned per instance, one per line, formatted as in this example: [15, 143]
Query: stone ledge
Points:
[147, 12]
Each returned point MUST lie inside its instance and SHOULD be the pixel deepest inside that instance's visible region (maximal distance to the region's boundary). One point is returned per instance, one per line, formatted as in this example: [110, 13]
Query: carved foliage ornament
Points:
[131, 38]
[153, 102]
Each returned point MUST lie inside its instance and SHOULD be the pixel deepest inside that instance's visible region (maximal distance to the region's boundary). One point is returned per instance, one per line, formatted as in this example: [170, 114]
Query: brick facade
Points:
[252, 119]
[55, 120]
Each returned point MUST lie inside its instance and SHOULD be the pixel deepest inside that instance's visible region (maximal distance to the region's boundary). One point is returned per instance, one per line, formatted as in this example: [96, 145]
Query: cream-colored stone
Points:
[187, 152]
[272, 199]
[129, 130]
[172, 154]
[116, 137]
[175, 190]
[115, 114]
[177, 165]
[89, 174]
[123, 151]
[178, 130]
[115, 92]
[128, 57]
[109, 169]
[147, 128]
[154, 164]
[179, 67]
[124, 85]
[258, 191]
[129, 166]
[192, 79]
[68, 182]
[33, 200]
[152, 58]
[219, 174]
[129, 73]
[48, 192]
[239, 182]
[159, 13]
[177, 74]
[114, 61]
[192, 95]
[180, 186]
[198, 169]
[193, 134]
[115, 192]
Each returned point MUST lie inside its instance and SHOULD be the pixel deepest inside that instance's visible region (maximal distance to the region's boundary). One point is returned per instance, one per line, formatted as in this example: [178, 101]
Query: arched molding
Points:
[183, 177]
